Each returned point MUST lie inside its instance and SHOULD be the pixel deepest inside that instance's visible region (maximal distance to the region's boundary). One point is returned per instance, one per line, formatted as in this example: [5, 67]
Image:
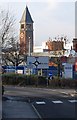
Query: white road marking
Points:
[72, 95]
[53, 90]
[7, 91]
[64, 93]
[40, 102]
[72, 101]
[57, 101]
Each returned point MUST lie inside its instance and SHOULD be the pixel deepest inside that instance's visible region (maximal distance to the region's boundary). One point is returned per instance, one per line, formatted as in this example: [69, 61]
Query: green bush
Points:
[20, 79]
[23, 80]
[42, 80]
[63, 83]
[11, 79]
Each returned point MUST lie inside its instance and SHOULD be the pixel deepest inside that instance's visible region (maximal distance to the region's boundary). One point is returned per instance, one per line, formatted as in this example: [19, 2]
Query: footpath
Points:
[0, 108]
[17, 110]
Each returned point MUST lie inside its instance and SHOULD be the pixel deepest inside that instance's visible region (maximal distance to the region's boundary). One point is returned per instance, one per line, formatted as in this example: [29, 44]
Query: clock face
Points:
[22, 35]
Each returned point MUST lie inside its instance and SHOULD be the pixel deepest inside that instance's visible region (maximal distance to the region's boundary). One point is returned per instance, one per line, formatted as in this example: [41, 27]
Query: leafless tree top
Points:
[7, 29]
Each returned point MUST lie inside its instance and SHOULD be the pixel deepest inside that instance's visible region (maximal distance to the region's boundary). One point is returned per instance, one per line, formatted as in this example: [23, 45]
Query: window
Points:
[22, 26]
[76, 48]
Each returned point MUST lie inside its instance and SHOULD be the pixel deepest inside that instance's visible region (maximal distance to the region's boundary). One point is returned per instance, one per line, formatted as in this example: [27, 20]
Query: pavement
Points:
[0, 97]
[43, 103]
[68, 92]
[17, 109]
[31, 91]
[0, 109]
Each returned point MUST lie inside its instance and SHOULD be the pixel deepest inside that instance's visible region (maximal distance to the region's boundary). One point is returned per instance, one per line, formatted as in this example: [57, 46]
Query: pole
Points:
[15, 61]
[41, 72]
[29, 55]
[15, 67]
[59, 67]
[29, 47]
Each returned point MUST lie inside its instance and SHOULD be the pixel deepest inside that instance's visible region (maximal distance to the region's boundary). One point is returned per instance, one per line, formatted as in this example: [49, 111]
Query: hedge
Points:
[20, 79]
[23, 80]
[63, 83]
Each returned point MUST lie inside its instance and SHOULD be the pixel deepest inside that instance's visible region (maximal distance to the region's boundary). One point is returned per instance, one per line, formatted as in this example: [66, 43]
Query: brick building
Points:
[55, 45]
[75, 44]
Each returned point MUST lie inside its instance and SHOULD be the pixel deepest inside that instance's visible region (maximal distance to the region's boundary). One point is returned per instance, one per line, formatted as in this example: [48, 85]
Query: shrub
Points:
[11, 79]
[20, 79]
[42, 80]
[64, 83]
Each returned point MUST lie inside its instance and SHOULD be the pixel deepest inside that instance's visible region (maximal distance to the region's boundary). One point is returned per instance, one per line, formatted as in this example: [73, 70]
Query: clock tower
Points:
[26, 32]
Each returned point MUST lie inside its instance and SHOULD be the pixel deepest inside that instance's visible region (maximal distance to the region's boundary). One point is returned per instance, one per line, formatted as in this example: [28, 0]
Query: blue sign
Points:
[50, 74]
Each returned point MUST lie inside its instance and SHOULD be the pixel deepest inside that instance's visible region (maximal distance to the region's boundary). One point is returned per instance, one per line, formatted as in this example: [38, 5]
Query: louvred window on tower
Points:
[22, 26]
[76, 48]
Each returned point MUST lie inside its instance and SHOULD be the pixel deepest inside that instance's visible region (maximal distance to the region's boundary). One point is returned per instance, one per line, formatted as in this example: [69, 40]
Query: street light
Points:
[59, 67]
[16, 60]
[29, 52]
[29, 47]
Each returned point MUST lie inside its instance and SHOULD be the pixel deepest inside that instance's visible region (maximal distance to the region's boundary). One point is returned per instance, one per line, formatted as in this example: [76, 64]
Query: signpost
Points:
[37, 62]
[68, 70]
[50, 75]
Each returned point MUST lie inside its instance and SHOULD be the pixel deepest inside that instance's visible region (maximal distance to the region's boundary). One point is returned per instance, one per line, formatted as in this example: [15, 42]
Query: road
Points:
[41, 102]
[41, 92]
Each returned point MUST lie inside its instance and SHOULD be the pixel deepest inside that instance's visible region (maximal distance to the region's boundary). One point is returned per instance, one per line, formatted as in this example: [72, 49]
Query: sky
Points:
[51, 18]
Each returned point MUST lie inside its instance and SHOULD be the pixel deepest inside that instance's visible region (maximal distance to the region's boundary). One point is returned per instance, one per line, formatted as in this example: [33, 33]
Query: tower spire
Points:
[26, 17]
[26, 32]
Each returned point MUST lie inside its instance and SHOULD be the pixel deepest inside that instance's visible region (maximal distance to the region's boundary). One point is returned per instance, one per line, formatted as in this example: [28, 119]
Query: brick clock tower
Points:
[26, 32]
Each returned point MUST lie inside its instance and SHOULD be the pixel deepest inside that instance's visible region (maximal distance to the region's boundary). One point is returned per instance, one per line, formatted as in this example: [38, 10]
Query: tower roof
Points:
[26, 17]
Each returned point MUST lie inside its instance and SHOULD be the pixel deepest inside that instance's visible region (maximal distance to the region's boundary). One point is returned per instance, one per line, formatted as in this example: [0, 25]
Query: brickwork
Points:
[55, 45]
[75, 44]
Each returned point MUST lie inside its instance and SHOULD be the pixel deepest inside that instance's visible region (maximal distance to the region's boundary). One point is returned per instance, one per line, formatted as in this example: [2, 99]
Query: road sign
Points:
[50, 74]
[37, 62]
[68, 70]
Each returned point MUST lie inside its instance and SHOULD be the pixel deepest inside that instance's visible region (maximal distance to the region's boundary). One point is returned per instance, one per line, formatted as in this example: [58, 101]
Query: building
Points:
[75, 44]
[26, 32]
[55, 45]
[43, 50]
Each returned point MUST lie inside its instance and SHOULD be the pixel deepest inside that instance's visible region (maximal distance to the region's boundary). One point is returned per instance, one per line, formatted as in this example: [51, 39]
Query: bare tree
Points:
[9, 40]
[13, 58]
[7, 30]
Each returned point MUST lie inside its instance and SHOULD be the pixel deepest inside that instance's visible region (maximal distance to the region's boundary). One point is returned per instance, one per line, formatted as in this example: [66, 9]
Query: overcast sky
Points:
[50, 18]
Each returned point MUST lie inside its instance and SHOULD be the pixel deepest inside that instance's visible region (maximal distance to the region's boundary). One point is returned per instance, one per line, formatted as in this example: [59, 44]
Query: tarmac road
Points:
[56, 108]
[41, 92]
[42, 103]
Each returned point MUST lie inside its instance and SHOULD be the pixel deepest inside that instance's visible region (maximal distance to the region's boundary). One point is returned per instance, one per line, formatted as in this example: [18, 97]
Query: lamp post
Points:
[29, 47]
[29, 52]
[16, 60]
[15, 67]
[58, 67]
